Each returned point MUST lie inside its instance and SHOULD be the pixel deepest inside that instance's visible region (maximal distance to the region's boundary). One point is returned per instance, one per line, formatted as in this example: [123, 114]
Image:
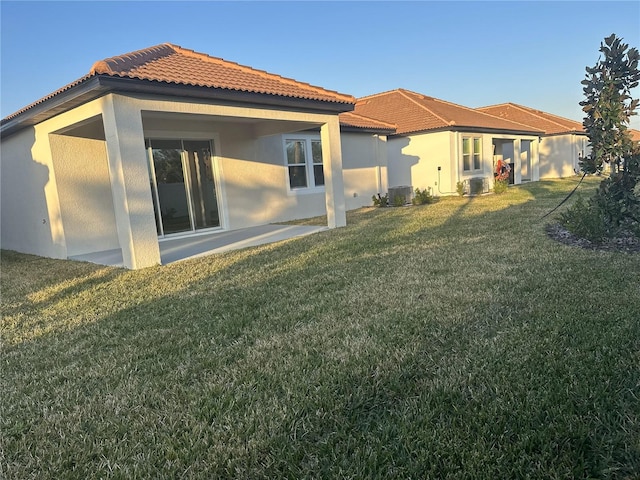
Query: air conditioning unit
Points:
[476, 186]
[400, 195]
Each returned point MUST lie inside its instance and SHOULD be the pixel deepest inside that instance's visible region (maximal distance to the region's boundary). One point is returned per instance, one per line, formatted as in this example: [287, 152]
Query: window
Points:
[304, 162]
[471, 153]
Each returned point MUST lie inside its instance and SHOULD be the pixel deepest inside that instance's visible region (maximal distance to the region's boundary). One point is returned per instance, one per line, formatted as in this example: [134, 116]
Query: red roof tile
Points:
[548, 123]
[413, 112]
[353, 120]
[173, 64]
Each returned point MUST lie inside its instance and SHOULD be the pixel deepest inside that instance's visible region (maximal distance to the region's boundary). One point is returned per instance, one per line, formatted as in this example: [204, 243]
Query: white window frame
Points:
[309, 164]
[473, 154]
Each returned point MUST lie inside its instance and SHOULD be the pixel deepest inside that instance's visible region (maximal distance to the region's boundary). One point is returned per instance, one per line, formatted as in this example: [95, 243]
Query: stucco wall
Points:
[364, 167]
[84, 189]
[559, 155]
[255, 183]
[29, 218]
[414, 161]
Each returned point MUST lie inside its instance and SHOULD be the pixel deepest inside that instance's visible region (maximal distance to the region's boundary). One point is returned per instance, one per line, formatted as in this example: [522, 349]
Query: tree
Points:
[609, 106]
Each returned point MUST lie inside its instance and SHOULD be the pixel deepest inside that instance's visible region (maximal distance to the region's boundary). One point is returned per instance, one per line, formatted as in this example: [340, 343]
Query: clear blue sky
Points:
[471, 53]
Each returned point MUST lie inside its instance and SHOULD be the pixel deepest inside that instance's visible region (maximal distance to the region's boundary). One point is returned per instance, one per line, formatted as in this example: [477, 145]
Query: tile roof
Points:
[548, 123]
[353, 120]
[174, 64]
[413, 112]
[171, 64]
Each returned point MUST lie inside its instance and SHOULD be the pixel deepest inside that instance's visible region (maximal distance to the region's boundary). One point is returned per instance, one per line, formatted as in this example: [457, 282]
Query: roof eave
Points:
[473, 129]
[380, 131]
[135, 85]
[75, 96]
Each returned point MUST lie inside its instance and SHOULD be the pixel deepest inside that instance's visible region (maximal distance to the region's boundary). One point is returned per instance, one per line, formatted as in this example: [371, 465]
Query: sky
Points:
[471, 53]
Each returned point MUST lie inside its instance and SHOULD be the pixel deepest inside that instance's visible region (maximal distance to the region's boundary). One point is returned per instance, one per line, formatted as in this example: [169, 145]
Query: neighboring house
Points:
[562, 145]
[167, 141]
[438, 144]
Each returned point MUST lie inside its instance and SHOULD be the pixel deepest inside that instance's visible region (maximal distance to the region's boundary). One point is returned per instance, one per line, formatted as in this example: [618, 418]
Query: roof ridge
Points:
[559, 117]
[132, 59]
[386, 92]
[538, 113]
[480, 111]
[545, 115]
[405, 94]
[263, 73]
[495, 105]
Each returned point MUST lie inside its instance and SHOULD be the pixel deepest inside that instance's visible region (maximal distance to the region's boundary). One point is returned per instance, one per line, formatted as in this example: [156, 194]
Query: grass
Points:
[453, 340]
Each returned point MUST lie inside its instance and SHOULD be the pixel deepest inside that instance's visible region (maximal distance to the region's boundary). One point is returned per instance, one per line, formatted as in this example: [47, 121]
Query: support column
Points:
[129, 176]
[332, 165]
[517, 162]
[535, 160]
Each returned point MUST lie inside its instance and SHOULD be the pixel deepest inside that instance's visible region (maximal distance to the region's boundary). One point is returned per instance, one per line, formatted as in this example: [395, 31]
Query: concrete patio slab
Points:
[193, 246]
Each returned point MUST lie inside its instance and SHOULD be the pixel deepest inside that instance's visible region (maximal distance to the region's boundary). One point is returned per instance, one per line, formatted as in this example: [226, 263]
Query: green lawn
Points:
[453, 340]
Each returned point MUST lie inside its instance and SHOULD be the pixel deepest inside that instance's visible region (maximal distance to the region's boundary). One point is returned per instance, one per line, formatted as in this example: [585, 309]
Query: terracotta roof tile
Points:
[548, 123]
[174, 64]
[353, 120]
[413, 112]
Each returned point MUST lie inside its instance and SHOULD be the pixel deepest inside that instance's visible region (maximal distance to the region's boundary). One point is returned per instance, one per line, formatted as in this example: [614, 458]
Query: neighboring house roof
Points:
[413, 112]
[635, 135]
[171, 69]
[550, 124]
[350, 120]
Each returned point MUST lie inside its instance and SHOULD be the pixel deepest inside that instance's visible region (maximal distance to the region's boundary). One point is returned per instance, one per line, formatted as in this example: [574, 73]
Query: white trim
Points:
[311, 187]
[472, 171]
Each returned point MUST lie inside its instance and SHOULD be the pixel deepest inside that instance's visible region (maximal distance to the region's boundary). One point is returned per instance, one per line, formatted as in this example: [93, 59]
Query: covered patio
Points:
[193, 246]
[166, 142]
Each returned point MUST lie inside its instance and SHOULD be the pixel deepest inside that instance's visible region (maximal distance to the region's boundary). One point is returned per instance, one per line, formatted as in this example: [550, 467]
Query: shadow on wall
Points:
[559, 155]
[85, 195]
[402, 167]
[255, 193]
[29, 224]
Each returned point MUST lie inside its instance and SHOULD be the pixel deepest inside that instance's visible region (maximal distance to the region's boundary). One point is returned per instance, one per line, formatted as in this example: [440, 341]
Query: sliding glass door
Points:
[183, 185]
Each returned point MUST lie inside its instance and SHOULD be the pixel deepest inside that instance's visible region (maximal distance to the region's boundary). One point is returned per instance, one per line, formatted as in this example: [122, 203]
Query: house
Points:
[167, 141]
[562, 145]
[438, 144]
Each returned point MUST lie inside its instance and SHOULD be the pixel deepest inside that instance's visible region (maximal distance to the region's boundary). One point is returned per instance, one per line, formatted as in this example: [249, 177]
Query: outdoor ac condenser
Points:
[404, 192]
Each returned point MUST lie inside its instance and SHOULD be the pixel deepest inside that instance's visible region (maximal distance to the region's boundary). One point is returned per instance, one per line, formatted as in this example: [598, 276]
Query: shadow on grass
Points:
[398, 346]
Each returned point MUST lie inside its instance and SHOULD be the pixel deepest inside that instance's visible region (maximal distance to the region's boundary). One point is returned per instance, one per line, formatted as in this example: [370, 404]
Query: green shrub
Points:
[500, 186]
[398, 201]
[422, 197]
[619, 199]
[380, 200]
[586, 220]
[460, 188]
